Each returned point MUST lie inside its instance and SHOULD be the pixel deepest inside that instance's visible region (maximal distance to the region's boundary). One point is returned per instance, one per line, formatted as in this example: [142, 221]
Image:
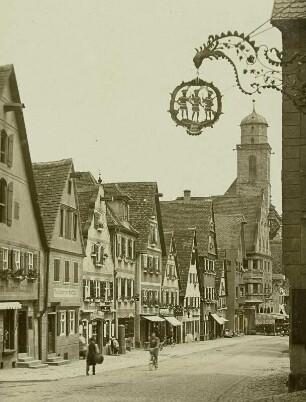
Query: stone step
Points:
[58, 362]
[54, 358]
[39, 366]
[25, 359]
[28, 364]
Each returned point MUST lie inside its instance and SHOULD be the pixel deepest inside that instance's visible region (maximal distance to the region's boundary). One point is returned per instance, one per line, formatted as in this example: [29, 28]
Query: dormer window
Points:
[126, 214]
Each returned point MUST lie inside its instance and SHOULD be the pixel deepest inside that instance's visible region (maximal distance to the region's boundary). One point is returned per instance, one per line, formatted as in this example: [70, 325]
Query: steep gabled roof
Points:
[289, 10]
[232, 190]
[50, 179]
[114, 222]
[84, 179]
[184, 239]
[228, 230]
[8, 77]
[145, 203]
[112, 190]
[249, 207]
[182, 216]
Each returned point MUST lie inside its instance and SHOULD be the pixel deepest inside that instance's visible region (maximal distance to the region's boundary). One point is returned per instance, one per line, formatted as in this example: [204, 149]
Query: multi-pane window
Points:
[4, 257]
[71, 315]
[97, 289]
[67, 271]
[30, 260]
[62, 323]
[75, 272]
[16, 259]
[86, 290]
[119, 250]
[56, 268]
[123, 247]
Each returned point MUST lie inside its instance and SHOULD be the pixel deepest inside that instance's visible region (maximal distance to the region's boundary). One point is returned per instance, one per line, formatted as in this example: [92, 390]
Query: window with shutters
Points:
[103, 291]
[3, 147]
[97, 289]
[30, 260]
[71, 315]
[16, 210]
[62, 323]
[67, 272]
[68, 224]
[16, 260]
[123, 241]
[3, 201]
[75, 273]
[56, 270]
[75, 226]
[119, 250]
[86, 291]
[144, 261]
[62, 217]
[123, 287]
[4, 257]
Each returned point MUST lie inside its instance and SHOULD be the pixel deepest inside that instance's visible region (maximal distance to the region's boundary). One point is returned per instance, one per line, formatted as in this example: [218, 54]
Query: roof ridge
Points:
[52, 163]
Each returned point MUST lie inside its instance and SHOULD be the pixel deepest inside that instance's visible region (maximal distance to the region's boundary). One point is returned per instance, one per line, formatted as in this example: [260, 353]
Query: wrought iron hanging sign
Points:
[195, 105]
[255, 68]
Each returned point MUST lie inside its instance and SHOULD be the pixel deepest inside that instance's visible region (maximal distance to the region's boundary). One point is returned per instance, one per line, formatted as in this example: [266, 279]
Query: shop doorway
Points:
[22, 331]
[51, 333]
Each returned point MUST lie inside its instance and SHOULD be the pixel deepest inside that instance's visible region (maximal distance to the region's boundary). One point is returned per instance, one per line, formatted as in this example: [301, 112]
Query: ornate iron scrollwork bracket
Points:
[257, 67]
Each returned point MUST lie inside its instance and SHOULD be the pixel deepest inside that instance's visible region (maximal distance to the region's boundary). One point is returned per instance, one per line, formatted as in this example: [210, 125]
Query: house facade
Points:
[97, 316]
[57, 198]
[170, 291]
[22, 239]
[231, 246]
[123, 237]
[145, 217]
[290, 18]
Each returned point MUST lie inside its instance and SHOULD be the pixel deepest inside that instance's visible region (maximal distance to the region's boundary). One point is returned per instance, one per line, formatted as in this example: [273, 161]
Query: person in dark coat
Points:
[91, 354]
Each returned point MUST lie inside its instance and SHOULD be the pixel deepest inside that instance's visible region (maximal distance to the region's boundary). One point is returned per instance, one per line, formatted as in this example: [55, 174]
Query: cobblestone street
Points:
[251, 368]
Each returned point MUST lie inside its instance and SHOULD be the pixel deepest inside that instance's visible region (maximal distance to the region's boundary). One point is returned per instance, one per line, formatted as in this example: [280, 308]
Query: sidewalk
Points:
[135, 358]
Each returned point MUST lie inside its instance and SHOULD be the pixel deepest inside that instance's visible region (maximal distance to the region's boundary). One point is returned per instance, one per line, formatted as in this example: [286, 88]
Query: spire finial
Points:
[253, 105]
[100, 179]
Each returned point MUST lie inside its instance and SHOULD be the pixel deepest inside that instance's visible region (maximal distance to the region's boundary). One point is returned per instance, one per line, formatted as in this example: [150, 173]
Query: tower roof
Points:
[254, 118]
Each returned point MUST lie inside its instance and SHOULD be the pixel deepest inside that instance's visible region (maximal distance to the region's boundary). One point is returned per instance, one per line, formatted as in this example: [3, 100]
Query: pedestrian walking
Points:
[91, 355]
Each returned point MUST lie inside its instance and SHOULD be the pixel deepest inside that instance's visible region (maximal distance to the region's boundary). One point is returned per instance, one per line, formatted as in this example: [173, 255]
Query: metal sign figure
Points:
[195, 105]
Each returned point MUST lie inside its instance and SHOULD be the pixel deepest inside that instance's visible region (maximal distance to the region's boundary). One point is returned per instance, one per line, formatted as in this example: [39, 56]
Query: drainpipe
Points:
[44, 308]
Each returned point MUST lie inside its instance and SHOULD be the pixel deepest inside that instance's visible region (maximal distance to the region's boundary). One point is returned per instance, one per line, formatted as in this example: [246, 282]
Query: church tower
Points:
[253, 158]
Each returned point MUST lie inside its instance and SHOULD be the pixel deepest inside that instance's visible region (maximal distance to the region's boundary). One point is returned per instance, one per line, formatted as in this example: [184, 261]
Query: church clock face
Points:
[195, 105]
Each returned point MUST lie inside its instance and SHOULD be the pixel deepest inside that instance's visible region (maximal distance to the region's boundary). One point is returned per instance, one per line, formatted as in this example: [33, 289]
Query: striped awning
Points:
[217, 318]
[10, 306]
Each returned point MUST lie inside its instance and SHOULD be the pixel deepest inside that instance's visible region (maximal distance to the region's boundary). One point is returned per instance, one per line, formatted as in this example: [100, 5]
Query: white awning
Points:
[10, 306]
[173, 321]
[217, 318]
[155, 318]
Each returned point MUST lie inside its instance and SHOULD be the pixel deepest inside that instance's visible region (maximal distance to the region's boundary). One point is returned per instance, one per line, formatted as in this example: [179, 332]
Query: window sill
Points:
[7, 352]
[66, 283]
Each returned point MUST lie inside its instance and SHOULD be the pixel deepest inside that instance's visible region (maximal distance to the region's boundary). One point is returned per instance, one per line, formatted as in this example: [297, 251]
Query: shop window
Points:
[8, 329]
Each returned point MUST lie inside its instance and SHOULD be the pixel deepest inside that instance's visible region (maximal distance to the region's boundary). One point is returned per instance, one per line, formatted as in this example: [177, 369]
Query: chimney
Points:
[187, 195]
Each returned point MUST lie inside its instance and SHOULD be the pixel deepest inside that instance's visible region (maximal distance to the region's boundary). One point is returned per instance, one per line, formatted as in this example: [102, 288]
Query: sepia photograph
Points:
[153, 200]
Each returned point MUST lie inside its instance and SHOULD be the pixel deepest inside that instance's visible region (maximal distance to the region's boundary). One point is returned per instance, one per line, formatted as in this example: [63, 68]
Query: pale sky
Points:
[95, 77]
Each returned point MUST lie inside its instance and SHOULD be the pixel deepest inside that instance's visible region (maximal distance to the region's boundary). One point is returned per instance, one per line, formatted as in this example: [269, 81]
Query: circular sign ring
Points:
[195, 105]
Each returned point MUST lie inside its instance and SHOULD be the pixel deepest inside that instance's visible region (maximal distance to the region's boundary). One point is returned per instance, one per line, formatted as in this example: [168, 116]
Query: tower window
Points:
[252, 167]
[252, 140]
[252, 128]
